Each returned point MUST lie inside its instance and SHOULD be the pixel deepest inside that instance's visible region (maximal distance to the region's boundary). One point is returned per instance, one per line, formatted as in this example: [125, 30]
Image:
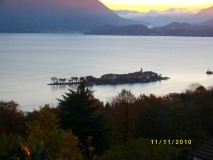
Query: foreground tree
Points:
[5, 141]
[11, 118]
[44, 129]
[44, 140]
[82, 113]
[20, 150]
[44, 125]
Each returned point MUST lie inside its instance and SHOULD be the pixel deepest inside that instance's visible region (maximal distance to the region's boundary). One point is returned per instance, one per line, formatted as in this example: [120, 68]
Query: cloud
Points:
[180, 12]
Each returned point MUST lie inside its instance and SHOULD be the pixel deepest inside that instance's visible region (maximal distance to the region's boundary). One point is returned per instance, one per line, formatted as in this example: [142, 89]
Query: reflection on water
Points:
[58, 87]
[64, 88]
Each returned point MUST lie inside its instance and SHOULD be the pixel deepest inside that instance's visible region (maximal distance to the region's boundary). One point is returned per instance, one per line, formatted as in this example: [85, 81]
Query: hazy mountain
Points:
[123, 30]
[56, 15]
[205, 13]
[162, 18]
[207, 23]
[208, 12]
[185, 29]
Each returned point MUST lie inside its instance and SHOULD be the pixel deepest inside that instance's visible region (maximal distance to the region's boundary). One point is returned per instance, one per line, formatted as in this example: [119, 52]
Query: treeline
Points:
[126, 127]
[187, 115]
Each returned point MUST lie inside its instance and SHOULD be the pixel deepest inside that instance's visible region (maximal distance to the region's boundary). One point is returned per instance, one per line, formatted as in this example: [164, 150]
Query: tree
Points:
[54, 79]
[151, 119]
[67, 144]
[43, 132]
[81, 79]
[21, 150]
[11, 118]
[44, 126]
[5, 141]
[81, 112]
[122, 116]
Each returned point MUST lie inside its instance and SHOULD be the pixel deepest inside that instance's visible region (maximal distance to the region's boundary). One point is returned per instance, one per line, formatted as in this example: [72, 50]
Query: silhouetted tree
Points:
[151, 119]
[81, 112]
[122, 117]
[11, 118]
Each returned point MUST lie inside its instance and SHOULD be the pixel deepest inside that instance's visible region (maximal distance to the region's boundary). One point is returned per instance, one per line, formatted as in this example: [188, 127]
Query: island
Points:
[135, 77]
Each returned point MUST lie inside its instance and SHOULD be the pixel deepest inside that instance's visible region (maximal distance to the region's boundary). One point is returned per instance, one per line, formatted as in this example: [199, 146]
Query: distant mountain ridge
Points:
[56, 16]
[206, 12]
[83, 15]
[207, 23]
[123, 30]
[173, 29]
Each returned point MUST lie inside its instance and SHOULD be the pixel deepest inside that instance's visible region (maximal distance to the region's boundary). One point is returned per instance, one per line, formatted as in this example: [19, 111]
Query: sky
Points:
[146, 5]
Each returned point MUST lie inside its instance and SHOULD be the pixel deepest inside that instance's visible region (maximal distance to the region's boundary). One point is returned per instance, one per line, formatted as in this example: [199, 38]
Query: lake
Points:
[28, 61]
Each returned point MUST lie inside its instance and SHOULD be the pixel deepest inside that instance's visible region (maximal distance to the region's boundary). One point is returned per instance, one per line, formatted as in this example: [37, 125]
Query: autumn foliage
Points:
[11, 118]
[82, 128]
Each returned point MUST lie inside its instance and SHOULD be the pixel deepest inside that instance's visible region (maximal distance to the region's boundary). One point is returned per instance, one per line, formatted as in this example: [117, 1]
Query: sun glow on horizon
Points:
[142, 6]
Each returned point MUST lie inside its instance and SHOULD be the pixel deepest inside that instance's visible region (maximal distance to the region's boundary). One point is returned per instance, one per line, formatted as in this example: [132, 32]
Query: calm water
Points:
[27, 61]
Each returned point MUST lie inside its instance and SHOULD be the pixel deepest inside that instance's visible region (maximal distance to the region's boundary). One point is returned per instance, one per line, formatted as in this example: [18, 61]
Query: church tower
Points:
[141, 70]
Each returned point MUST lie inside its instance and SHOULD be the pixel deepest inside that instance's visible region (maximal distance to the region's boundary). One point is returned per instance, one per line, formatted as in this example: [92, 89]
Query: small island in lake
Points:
[135, 77]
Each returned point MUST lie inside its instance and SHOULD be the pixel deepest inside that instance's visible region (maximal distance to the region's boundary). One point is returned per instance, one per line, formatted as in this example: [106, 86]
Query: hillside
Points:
[174, 26]
[56, 16]
[173, 29]
[185, 29]
[207, 23]
[202, 16]
[123, 30]
[207, 13]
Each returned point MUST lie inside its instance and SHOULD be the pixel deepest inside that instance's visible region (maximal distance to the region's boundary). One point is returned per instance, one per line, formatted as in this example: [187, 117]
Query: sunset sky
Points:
[146, 5]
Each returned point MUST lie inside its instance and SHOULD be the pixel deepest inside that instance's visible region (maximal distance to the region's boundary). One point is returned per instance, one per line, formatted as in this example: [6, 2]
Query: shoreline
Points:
[109, 83]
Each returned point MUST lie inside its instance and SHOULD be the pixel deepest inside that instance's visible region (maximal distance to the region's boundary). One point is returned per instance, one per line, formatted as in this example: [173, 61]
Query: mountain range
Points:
[56, 16]
[207, 23]
[83, 15]
[162, 18]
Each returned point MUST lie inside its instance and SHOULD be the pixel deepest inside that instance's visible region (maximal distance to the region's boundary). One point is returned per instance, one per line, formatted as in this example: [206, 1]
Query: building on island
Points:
[139, 76]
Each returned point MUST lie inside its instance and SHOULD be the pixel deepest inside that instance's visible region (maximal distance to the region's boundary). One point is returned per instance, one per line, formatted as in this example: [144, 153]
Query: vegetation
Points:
[142, 149]
[11, 118]
[82, 113]
[42, 140]
[127, 127]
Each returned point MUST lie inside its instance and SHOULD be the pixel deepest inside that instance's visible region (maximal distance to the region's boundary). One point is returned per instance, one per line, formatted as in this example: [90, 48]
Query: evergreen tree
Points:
[82, 113]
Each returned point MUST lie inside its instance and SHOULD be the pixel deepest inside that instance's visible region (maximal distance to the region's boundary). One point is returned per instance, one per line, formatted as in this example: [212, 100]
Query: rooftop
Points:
[204, 151]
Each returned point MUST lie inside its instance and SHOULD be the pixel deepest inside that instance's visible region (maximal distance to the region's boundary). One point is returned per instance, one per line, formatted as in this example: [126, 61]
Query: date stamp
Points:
[171, 141]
